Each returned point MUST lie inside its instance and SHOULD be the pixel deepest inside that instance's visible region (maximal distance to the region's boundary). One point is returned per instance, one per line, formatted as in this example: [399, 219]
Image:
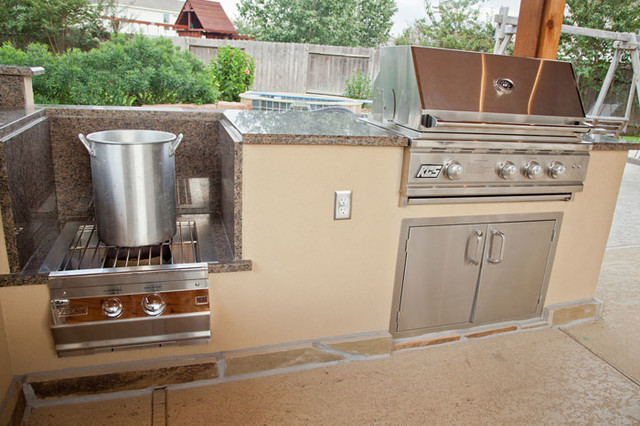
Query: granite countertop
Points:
[602, 142]
[13, 119]
[310, 128]
[18, 70]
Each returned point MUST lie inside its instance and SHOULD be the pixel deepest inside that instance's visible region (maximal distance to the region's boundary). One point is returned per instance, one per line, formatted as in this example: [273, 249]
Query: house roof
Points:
[210, 16]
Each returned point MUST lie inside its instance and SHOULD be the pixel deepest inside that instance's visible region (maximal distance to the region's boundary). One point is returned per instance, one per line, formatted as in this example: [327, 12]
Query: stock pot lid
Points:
[131, 137]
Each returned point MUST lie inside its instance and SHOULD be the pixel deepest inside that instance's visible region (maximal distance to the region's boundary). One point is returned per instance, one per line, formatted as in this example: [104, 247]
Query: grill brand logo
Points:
[429, 171]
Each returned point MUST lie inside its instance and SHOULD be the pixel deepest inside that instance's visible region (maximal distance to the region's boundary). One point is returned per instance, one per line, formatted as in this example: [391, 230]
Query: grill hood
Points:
[423, 88]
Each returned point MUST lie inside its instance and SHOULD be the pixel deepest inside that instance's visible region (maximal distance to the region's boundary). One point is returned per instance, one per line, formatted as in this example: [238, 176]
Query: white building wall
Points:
[148, 14]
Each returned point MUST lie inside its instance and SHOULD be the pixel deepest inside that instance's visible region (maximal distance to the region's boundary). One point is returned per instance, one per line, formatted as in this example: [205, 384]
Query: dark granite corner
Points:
[13, 92]
[15, 86]
[27, 192]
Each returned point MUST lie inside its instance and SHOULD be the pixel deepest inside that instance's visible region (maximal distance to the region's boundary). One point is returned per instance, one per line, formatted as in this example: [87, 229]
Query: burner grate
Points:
[88, 252]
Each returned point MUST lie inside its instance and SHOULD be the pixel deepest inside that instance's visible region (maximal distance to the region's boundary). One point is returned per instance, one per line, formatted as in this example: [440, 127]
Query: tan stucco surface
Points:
[314, 277]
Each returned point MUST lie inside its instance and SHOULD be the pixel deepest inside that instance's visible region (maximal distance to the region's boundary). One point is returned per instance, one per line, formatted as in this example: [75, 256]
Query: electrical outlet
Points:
[342, 208]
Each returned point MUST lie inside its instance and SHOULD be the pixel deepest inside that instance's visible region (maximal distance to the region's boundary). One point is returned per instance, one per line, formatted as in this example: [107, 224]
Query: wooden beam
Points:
[539, 28]
[551, 28]
[529, 23]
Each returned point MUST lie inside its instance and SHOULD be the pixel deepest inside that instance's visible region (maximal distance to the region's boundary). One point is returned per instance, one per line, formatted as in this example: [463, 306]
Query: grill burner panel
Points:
[87, 252]
[106, 298]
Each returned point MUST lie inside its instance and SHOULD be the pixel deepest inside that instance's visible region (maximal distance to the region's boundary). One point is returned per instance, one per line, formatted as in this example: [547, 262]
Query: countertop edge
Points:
[240, 265]
[285, 139]
[19, 280]
[615, 146]
[70, 111]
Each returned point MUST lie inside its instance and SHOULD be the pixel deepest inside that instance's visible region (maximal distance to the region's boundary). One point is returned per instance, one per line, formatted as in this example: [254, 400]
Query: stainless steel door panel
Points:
[440, 275]
[513, 270]
[121, 332]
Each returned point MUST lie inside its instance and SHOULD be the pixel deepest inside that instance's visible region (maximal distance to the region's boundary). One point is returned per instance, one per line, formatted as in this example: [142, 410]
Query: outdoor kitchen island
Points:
[300, 280]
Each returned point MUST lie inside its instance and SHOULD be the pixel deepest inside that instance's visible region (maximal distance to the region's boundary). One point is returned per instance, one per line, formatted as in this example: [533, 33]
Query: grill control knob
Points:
[556, 169]
[453, 170]
[533, 170]
[112, 307]
[152, 304]
[507, 170]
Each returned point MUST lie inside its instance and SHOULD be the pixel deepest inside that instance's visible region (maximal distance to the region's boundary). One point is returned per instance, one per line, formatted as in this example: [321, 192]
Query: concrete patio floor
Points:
[587, 373]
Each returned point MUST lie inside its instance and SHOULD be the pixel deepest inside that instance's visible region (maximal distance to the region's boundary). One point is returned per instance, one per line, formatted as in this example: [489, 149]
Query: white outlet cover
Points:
[342, 205]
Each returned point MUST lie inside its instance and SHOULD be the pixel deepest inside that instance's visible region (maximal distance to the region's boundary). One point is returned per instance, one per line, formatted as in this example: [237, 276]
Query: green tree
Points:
[452, 24]
[61, 24]
[365, 23]
[591, 56]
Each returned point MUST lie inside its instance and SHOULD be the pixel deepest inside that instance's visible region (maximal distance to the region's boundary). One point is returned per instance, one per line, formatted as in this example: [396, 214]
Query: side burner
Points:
[106, 298]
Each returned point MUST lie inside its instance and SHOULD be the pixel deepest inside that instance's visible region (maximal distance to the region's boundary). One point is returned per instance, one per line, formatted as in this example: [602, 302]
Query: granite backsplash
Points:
[197, 165]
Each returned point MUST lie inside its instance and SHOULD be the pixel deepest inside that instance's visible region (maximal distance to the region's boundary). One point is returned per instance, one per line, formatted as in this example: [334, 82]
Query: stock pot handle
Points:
[175, 145]
[87, 144]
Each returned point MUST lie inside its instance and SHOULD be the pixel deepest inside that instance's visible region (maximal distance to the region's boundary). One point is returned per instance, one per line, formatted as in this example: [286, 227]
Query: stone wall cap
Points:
[16, 70]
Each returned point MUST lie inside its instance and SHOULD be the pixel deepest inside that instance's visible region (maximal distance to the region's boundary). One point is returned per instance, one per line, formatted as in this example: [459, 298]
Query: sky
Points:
[408, 11]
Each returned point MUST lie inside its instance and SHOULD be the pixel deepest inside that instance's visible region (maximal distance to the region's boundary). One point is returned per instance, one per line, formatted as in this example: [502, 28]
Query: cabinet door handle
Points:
[477, 237]
[495, 233]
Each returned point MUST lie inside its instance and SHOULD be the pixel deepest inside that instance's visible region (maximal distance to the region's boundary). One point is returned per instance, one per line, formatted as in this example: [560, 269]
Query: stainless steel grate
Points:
[87, 252]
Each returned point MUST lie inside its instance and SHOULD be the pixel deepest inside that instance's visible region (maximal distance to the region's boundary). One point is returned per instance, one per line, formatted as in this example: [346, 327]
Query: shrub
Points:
[358, 86]
[234, 71]
[122, 71]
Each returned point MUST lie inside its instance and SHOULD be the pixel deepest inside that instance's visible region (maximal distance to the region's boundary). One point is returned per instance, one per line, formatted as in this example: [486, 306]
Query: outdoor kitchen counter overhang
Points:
[311, 277]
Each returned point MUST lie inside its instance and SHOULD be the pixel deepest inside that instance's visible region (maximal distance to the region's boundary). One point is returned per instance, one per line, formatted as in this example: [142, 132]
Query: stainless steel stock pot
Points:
[134, 185]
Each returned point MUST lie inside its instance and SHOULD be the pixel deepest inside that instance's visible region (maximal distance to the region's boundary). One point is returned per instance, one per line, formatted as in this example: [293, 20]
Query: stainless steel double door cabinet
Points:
[467, 271]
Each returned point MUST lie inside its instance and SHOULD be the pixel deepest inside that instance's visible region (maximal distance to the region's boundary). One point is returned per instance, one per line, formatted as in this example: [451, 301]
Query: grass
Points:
[630, 138]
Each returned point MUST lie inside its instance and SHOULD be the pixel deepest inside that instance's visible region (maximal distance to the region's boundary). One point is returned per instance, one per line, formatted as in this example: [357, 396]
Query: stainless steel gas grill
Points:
[482, 127]
[106, 298]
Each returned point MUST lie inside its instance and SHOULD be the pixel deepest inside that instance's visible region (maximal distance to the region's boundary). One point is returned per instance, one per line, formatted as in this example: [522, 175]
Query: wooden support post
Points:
[528, 32]
[539, 28]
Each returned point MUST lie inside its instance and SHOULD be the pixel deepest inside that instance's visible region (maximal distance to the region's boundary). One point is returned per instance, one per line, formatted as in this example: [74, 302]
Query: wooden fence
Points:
[292, 67]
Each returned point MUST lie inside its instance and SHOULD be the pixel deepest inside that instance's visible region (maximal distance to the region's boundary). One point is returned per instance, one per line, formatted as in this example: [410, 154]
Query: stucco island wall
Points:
[314, 277]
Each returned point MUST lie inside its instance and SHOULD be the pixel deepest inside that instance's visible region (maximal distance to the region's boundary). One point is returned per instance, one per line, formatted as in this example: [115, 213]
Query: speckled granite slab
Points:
[22, 71]
[302, 127]
[620, 145]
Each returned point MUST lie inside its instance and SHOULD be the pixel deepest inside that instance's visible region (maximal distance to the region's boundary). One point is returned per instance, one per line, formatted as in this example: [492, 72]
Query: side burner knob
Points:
[507, 170]
[112, 307]
[152, 304]
[533, 170]
[556, 169]
[453, 170]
